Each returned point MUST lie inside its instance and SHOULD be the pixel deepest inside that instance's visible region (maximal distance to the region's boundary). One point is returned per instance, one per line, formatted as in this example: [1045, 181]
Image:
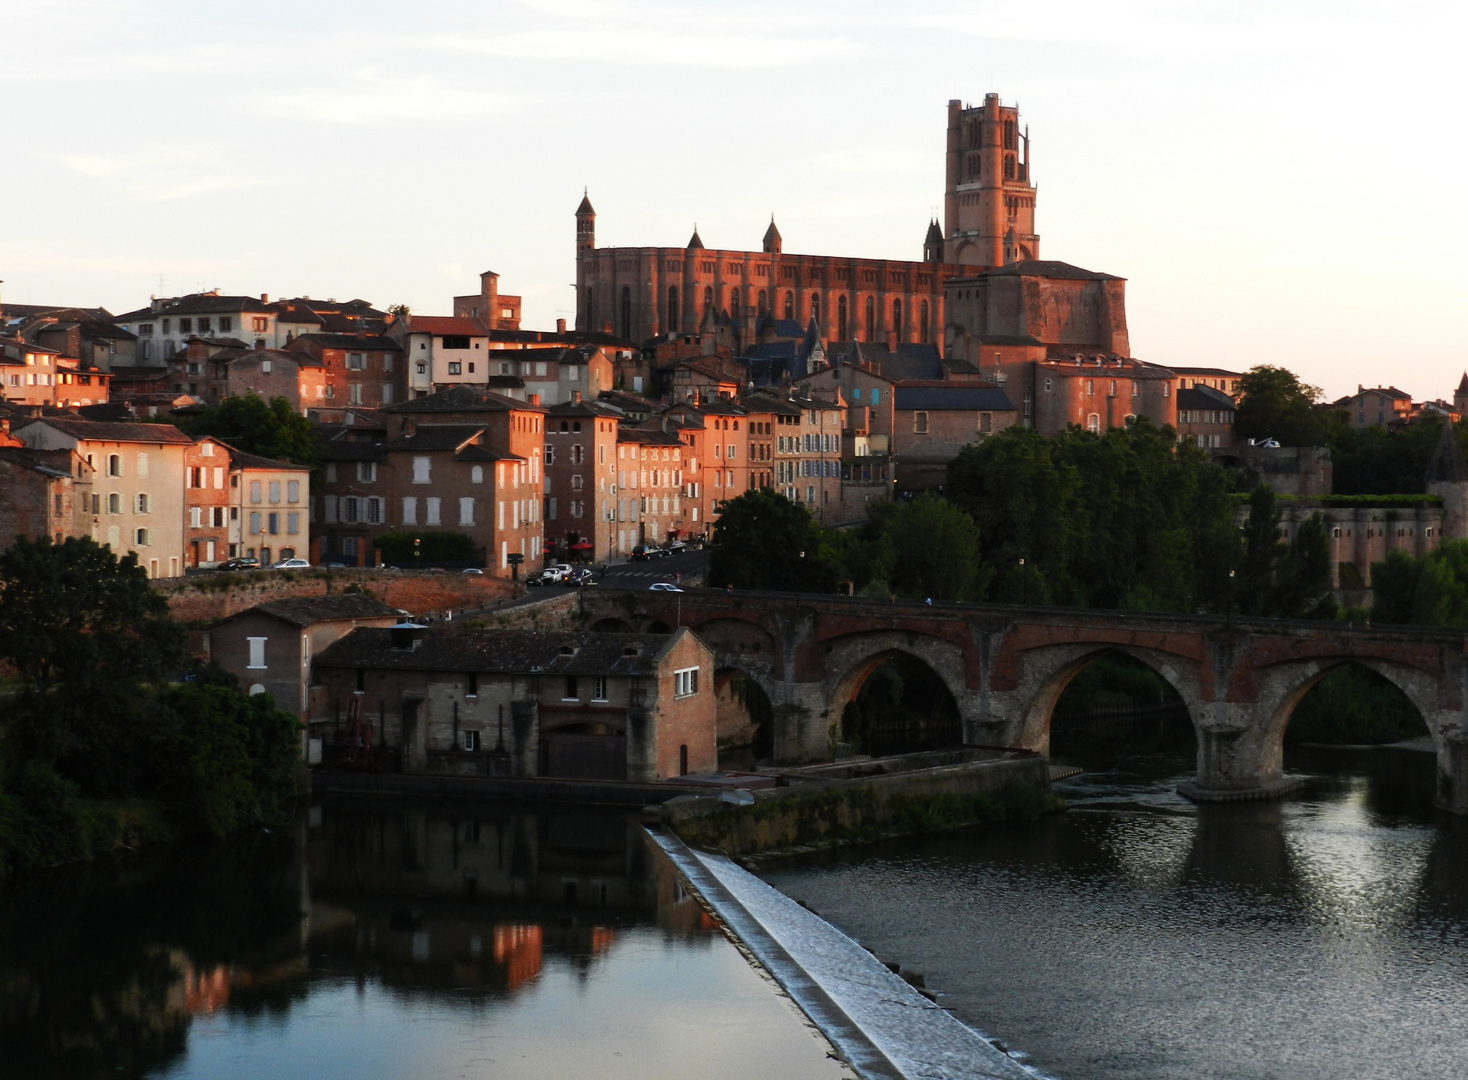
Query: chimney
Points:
[665, 425]
[560, 326]
[575, 397]
[265, 298]
[535, 399]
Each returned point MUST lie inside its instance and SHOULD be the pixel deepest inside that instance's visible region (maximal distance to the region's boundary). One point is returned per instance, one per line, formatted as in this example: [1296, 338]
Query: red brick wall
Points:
[688, 721]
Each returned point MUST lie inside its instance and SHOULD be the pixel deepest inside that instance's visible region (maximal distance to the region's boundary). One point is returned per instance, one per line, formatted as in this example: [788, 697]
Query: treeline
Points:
[109, 734]
[1125, 519]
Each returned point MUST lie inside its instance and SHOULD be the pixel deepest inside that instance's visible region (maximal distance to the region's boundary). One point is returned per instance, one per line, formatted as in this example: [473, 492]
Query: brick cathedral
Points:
[988, 221]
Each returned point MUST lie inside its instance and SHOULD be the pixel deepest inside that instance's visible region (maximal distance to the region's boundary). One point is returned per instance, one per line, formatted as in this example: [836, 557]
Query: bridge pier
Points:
[1452, 772]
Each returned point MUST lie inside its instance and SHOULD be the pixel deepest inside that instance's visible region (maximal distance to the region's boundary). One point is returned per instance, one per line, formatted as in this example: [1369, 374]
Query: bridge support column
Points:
[1452, 773]
[1236, 763]
[802, 728]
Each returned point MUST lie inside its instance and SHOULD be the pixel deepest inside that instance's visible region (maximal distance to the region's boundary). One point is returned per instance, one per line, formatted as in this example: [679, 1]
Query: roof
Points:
[100, 431]
[694, 243]
[1204, 397]
[364, 342]
[521, 652]
[199, 304]
[461, 325]
[955, 398]
[585, 207]
[1010, 339]
[434, 437]
[34, 460]
[304, 611]
[238, 459]
[585, 408]
[1048, 268]
[351, 450]
[1195, 371]
[463, 399]
[648, 436]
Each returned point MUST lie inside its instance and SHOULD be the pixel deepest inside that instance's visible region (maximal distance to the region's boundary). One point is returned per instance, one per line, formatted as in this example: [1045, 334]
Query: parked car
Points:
[549, 576]
[291, 564]
[663, 586]
[582, 577]
[676, 545]
[564, 569]
[644, 552]
[472, 570]
[337, 560]
[244, 562]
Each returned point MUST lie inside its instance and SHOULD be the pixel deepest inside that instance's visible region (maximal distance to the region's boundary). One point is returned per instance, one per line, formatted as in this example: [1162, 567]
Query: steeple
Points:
[585, 224]
[772, 237]
[694, 243]
[933, 242]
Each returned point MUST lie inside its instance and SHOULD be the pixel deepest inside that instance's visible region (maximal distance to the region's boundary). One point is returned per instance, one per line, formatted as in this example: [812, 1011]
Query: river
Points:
[422, 941]
[1139, 937]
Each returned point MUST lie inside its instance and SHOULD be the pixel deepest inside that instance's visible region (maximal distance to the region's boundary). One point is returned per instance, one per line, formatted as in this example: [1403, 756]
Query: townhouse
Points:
[580, 495]
[28, 373]
[137, 496]
[650, 484]
[357, 370]
[42, 492]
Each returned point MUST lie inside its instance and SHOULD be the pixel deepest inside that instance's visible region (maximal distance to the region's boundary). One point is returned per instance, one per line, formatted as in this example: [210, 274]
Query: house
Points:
[212, 370]
[1370, 406]
[580, 495]
[270, 646]
[42, 492]
[270, 509]
[358, 370]
[933, 421]
[603, 706]
[650, 486]
[164, 327]
[29, 373]
[137, 492]
[1205, 416]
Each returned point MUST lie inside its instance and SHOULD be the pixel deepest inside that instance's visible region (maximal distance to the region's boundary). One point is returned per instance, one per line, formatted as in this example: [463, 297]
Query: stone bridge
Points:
[1007, 666]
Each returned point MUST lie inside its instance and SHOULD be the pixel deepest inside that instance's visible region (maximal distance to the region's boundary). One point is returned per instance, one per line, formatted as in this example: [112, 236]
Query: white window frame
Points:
[257, 654]
[685, 682]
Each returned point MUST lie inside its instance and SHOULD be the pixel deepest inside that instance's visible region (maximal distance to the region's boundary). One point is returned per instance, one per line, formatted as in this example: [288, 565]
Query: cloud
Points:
[378, 100]
[160, 173]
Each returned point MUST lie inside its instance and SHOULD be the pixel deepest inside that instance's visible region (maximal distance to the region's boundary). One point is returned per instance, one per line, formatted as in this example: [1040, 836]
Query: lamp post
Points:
[1228, 617]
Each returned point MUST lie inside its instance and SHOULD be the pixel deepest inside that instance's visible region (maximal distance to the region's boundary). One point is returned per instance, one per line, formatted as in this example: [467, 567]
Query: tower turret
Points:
[772, 237]
[933, 243]
[585, 224]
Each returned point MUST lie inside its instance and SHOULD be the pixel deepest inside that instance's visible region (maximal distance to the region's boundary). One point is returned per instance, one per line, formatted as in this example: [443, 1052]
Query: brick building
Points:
[989, 205]
[651, 496]
[42, 492]
[636, 707]
[581, 491]
[1370, 406]
[363, 370]
[934, 421]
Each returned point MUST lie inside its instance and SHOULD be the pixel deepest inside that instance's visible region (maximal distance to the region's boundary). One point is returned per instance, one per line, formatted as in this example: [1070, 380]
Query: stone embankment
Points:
[207, 598]
[824, 805]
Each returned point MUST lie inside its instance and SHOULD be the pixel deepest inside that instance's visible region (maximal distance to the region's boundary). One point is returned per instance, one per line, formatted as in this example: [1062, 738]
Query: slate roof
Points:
[200, 304]
[434, 437]
[352, 342]
[462, 399]
[953, 398]
[769, 403]
[519, 652]
[238, 459]
[100, 431]
[1048, 268]
[303, 611]
[1204, 397]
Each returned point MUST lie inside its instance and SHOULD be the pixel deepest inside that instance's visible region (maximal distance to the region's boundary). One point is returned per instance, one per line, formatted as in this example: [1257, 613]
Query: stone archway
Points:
[852, 659]
[745, 717]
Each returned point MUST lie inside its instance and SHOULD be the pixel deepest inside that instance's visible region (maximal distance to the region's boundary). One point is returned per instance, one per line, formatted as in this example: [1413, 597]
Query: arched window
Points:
[590, 310]
[1093, 423]
[627, 312]
[764, 301]
[815, 308]
[672, 327]
[871, 319]
[1009, 166]
[708, 298]
[841, 319]
[476, 475]
[923, 323]
[734, 303]
[789, 305]
[897, 318]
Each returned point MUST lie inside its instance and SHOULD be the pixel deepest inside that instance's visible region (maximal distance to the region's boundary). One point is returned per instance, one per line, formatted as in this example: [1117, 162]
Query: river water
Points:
[1139, 937]
[423, 942]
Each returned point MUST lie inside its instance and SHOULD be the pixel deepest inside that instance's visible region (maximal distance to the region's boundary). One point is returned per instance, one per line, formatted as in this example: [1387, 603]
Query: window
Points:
[265, 366]
[422, 466]
[254, 522]
[456, 341]
[257, 652]
[275, 491]
[142, 464]
[366, 474]
[920, 423]
[292, 523]
[356, 361]
[471, 740]
[433, 508]
[226, 323]
[141, 538]
[354, 394]
[260, 325]
[1093, 423]
[410, 510]
[254, 491]
[196, 516]
[374, 510]
[685, 682]
[599, 688]
[466, 511]
[571, 693]
[476, 474]
[455, 368]
[672, 309]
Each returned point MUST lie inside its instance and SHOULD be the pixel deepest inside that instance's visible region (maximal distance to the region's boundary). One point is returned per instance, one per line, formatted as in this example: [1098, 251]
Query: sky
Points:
[1280, 182]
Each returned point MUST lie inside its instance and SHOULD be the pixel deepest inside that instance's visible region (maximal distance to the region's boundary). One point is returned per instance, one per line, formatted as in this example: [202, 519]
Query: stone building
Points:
[989, 204]
[637, 707]
[42, 492]
[1376, 405]
[1205, 417]
[497, 310]
[270, 646]
[137, 492]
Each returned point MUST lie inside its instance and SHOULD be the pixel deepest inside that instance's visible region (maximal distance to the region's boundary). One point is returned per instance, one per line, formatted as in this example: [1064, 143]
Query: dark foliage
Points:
[426, 548]
[249, 423]
[1353, 704]
[765, 541]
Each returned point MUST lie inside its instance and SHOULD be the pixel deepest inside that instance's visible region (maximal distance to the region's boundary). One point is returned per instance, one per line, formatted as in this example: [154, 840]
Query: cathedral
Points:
[639, 293]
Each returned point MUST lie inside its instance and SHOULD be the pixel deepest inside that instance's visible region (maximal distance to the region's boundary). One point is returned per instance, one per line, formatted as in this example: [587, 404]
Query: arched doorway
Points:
[745, 720]
[900, 706]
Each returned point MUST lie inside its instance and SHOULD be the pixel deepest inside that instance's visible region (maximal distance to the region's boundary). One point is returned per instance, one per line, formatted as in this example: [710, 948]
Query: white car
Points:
[291, 564]
[563, 569]
[664, 586]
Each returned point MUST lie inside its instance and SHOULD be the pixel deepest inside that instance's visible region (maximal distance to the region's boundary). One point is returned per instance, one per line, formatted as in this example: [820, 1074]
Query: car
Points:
[472, 570]
[582, 578]
[564, 569]
[663, 586]
[291, 564]
[676, 545]
[244, 562]
[337, 560]
[549, 576]
[643, 552]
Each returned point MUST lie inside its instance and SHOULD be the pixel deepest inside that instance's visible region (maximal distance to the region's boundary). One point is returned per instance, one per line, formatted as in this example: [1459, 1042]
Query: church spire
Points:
[772, 237]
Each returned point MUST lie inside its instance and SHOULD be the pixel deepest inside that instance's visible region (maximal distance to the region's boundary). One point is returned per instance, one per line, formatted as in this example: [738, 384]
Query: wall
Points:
[689, 721]
[211, 597]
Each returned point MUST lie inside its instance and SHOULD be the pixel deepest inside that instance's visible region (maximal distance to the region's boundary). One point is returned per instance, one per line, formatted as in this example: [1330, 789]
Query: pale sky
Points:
[1280, 182]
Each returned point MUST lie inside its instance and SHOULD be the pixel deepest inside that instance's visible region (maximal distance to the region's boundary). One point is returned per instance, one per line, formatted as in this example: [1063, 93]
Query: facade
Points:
[934, 421]
[42, 492]
[650, 459]
[636, 707]
[1220, 379]
[213, 370]
[641, 293]
[164, 327]
[270, 646]
[29, 374]
[208, 504]
[581, 490]
[137, 492]
[357, 371]
[1371, 406]
[270, 511]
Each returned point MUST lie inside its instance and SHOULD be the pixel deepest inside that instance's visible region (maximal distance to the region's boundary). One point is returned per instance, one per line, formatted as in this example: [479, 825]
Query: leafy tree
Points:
[1284, 580]
[765, 541]
[248, 423]
[1430, 591]
[1274, 403]
[86, 635]
[935, 547]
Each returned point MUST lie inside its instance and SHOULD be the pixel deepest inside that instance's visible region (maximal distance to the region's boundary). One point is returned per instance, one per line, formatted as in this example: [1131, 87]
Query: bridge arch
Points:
[744, 704]
[1283, 686]
[1051, 669]
[852, 659]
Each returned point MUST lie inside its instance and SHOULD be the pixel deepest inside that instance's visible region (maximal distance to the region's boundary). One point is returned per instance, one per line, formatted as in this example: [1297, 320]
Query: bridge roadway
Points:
[1006, 667]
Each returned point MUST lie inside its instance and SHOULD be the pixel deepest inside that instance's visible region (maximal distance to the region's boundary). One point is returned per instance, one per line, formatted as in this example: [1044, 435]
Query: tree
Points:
[1284, 580]
[86, 635]
[935, 548]
[273, 430]
[765, 541]
[1430, 591]
[1274, 403]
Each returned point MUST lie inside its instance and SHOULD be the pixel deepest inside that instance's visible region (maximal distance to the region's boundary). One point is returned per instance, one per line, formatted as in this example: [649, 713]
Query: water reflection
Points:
[1141, 937]
[425, 941]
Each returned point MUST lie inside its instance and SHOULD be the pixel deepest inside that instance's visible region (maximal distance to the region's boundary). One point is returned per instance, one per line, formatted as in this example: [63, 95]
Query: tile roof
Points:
[1047, 268]
[1204, 397]
[101, 431]
[350, 342]
[953, 398]
[238, 459]
[520, 652]
[446, 324]
[1191, 371]
[585, 408]
[31, 459]
[351, 450]
[436, 437]
[463, 399]
[199, 304]
[303, 611]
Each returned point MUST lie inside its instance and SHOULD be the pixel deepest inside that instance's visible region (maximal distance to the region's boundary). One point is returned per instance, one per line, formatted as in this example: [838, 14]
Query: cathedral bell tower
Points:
[585, 247]
[989, 201]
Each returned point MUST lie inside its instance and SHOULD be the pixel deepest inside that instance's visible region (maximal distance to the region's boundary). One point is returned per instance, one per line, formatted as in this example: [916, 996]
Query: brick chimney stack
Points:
[560, 326]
